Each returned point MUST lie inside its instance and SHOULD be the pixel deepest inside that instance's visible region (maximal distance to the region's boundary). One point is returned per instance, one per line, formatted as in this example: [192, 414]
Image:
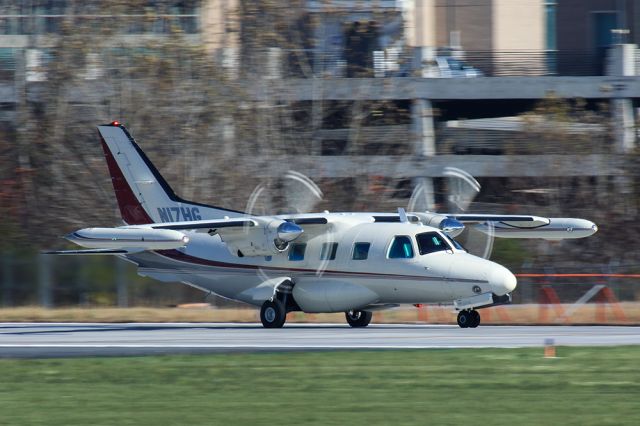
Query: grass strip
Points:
[586, 386]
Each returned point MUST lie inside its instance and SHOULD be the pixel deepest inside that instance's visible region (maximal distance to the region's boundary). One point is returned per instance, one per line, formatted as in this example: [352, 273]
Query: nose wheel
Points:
[468, 319]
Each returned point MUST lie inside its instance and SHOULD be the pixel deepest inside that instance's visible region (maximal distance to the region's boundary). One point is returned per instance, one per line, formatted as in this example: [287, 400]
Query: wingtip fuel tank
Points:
[557, 228]
[111, 238]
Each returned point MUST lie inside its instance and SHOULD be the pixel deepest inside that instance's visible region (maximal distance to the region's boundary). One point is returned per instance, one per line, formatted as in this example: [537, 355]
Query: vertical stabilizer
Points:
[143, 195]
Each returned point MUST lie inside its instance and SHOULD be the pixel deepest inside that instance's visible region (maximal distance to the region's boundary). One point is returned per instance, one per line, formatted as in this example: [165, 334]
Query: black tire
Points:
[272, 314]
[358, 318]
[475, 319]
[464, 319]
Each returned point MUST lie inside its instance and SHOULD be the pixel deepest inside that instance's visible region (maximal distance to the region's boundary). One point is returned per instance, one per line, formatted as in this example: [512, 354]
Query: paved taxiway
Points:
[51, 340]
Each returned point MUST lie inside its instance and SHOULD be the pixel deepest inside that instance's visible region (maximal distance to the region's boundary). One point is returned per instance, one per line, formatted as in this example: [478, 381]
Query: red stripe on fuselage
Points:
[177, 255]
[130, 208]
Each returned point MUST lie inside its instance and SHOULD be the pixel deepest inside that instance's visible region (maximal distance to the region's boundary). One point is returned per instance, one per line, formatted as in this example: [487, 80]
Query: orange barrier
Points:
[578, 275]
[423, 312]
[607, 298]
[437, 314]
[548, 297]
[604, 298]
[500, 312]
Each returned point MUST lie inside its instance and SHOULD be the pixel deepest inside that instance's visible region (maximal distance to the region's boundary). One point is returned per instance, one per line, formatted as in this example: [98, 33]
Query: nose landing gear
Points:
[469, 318]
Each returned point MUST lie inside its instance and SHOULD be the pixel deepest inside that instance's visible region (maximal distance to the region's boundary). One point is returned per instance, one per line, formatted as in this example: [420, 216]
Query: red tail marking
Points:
[132, 212]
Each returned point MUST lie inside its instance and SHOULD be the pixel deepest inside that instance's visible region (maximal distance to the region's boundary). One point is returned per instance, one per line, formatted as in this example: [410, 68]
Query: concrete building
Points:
[489, 34]
[30, 28]
[586, 29]
[350, 38]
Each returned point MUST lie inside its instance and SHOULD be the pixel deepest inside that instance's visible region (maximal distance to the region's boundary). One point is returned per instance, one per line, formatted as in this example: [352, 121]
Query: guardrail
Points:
[394, 62]
[278, 63]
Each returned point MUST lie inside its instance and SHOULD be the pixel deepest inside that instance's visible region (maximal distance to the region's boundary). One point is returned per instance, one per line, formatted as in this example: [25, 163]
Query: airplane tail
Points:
[143, 195]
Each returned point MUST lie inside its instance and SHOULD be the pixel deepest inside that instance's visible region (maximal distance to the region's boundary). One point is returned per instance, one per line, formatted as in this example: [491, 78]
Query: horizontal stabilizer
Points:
[91, 251]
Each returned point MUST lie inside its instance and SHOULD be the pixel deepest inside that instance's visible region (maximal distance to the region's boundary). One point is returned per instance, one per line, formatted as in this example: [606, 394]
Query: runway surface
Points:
[55, 340]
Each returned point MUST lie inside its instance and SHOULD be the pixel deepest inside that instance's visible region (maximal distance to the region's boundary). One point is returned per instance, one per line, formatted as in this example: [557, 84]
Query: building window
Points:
[361, 251]
[329, 251]
[296, 252]
[550, 42]
[550, 24]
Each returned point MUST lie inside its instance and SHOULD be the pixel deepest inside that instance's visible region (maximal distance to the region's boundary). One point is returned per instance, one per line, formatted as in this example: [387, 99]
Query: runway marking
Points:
[123, 339]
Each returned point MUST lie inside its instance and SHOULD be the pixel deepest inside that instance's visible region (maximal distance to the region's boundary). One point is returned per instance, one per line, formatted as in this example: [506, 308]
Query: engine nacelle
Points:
[451, 227]
[266, 239]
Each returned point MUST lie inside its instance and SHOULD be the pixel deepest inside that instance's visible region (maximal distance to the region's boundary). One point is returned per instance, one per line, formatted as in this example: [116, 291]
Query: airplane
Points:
[351, 262]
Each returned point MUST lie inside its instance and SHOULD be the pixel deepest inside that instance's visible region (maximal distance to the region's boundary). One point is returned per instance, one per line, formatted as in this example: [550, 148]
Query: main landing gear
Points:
[273, 314]
[358, 318]
[468, 318]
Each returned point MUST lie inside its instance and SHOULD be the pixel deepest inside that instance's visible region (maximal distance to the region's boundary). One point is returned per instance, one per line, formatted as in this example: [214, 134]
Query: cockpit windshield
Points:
[431, 242]
[455, 243]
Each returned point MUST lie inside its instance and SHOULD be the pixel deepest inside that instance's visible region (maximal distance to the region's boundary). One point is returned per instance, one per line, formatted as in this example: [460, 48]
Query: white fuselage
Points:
[341, 281]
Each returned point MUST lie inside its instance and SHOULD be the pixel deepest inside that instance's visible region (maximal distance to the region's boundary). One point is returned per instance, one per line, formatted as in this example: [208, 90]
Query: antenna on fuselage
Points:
[403, 215]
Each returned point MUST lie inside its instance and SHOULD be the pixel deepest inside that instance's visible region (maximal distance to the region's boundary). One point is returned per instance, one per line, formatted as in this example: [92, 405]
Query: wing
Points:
[271, 235]
[253, 235]
[319, 220]
[244, 236]
[523, 226]
[311, 225]
[209, 226]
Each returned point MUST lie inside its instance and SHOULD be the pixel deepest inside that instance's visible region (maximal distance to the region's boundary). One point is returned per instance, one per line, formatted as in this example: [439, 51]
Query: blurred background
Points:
[374, 101]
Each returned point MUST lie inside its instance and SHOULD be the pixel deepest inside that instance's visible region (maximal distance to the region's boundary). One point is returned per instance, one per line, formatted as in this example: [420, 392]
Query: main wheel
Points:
[358, 318]
[272, 314]
[464, 319]
[475, 319]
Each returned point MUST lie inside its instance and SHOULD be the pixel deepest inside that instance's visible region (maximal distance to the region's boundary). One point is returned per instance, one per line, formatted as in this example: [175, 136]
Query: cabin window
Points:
[401, 248]
[296, 252]
[328, 251]
[361, 251]
[431, 242]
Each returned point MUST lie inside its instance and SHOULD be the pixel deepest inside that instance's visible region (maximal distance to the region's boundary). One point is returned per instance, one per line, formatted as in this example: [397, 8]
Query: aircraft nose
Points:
[502, 281]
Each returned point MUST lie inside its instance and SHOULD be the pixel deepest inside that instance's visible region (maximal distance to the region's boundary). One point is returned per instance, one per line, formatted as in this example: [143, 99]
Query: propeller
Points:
[300, 192]
[421, 197]
[292, 193]
[296, 193]
[461, 190]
